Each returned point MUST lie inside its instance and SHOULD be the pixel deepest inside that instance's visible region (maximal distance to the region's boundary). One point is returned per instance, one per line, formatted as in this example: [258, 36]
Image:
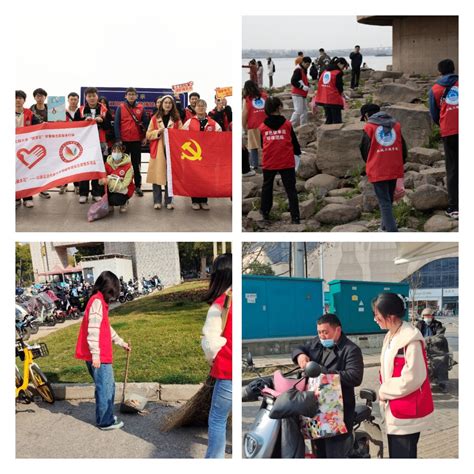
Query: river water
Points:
[284, 68]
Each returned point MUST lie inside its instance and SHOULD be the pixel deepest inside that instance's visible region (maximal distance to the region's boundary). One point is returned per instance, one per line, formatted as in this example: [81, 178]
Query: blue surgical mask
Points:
[117, 156]
[327, 343]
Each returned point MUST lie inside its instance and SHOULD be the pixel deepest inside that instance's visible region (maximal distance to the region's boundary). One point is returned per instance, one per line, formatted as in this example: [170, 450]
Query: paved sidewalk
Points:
[63, 213]
[66, 430]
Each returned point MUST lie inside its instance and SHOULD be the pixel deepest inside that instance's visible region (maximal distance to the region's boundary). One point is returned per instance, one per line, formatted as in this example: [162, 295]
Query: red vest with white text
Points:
[277, 147]
[122, 171]
[129, 130]
[304, 78]
[105, 335]
[255, 110]
[327, 93]
[385, 160]
[449, 108]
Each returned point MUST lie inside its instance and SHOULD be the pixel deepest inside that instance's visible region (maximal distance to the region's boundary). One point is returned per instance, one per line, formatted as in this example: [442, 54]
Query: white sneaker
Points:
[195, 206]
[96, 198]
[170, 206]
[250, 173]
[115, 426]
[62, 189]
[157, 206]
[28, 203]
[82, 199]
[124, 207]
[205, 206]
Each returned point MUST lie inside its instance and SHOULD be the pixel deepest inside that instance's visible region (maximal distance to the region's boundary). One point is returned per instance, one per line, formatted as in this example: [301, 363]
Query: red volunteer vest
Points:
[27, 117]
[122, 171]
[385, 160]
[449, 109]
[255, 110]
[105, 335]
[129, 130]
[327, 93]
[102, 113]
[304, 78]
[222, 365]
[195, 126]
[417, 404]
[188, 114]
[277, 150]
[154, 143]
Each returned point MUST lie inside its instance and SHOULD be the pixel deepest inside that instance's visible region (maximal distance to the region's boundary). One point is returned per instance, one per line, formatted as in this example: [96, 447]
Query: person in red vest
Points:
[279, 148]
[93, 110]
[384, 151]
[94, 346]
[23, 118]
[201, 122]
[405, 392]
[444, 109]
[222, 114]
[253, 68]
[130, 125]
[330, 90]
[299, 92]
[119, 179]
[253, 114]
[217, 346]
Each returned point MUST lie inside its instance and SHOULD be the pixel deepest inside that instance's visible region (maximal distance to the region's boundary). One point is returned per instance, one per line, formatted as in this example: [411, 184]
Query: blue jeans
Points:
[384, 191]
[220, 408]
[158, 196]
[254, 158]
[104, 393]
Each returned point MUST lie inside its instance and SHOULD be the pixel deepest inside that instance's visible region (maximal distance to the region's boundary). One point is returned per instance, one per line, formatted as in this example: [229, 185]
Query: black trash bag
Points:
[292, 441]
[294, 403]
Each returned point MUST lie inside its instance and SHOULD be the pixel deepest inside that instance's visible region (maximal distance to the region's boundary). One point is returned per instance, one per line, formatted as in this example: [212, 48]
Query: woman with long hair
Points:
[94, 346]
[253, 115]
[217, 347]
[166, 116]
[405, 391]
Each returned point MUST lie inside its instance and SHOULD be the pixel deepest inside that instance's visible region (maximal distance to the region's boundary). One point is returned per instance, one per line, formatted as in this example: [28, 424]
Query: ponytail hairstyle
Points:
[390, 304]
[336, 60]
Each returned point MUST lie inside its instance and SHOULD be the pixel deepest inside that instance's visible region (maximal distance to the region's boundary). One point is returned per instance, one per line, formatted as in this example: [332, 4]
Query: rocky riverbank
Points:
[333, 191]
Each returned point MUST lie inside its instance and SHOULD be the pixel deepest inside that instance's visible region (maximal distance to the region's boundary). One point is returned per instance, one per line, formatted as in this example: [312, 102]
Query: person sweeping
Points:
[94, 345]
[217, 347]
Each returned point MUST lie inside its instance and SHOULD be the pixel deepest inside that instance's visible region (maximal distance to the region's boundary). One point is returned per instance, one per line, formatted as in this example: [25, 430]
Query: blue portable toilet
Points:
[280, 307]
[351, 301]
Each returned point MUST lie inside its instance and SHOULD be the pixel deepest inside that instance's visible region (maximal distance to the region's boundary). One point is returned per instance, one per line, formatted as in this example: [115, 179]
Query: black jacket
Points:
[344, 359]
[356, 60]
[220, 116]
[436, 327]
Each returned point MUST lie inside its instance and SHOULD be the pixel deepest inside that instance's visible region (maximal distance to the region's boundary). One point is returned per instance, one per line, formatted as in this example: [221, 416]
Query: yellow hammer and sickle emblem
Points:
[194, 152]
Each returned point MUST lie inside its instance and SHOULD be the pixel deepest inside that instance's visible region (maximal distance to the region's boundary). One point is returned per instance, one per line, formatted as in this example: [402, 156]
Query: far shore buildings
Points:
[419, 42]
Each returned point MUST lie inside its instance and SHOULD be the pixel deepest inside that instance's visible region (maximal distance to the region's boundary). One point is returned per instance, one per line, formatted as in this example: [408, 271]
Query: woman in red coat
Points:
[217, 346]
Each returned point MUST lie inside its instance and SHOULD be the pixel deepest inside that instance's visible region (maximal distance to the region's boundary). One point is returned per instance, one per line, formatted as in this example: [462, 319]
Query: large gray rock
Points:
[340, 192]
[350, 228]
[337, 214]
[440, 223]
[307, 208]
[338, 149]
[379, 75]
[415, 121]
[307, 168]
[425, 156]
[247, 205]
[321, 184]
[306, 134]
[335, 200]
[428, 197]
[255, 216]
[249, 189]
[436, 173]
[394, 93]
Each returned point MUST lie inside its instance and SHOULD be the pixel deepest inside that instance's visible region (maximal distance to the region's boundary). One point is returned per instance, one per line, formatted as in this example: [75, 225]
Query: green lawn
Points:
[164, 329]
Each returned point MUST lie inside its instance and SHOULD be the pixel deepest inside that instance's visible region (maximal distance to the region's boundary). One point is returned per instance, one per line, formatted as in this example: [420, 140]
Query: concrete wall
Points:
[420, 42]
[53, 257]
[120, 266]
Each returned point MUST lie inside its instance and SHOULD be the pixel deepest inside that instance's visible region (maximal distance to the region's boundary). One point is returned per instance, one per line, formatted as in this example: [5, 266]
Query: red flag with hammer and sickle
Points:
[199, 163]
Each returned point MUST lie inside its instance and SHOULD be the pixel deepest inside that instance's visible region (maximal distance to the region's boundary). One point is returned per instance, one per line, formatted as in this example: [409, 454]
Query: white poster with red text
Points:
[53, 154]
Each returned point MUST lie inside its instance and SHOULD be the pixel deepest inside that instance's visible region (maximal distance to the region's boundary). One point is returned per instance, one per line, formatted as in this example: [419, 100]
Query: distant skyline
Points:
[311, 32]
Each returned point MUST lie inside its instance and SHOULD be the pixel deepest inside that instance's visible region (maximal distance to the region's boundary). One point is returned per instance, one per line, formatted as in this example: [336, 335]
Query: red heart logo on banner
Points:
[32, 156]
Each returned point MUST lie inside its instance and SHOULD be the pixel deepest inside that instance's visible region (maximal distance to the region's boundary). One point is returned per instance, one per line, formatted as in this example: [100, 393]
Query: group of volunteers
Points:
[382, 146]
[97, 336]
[405, 395]
[122, 135]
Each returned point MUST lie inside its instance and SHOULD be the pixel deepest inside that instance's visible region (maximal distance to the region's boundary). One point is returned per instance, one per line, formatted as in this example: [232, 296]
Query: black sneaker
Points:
[295, 221]
[452, 214]
[45, 195]
[139, 192]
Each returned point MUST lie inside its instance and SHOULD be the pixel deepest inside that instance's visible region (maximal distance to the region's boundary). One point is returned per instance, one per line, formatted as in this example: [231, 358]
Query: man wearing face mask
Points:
[119, 179]
[437, 347]
[335, 354]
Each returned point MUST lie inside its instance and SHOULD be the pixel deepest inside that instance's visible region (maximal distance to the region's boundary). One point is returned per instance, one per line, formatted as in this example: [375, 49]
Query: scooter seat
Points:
[361, 413]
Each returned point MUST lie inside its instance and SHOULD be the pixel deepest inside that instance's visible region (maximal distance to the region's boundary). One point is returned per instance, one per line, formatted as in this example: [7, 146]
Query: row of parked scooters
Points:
[136, 288]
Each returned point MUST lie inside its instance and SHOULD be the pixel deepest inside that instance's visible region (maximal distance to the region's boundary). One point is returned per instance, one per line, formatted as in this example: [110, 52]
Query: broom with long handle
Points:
[195, 411]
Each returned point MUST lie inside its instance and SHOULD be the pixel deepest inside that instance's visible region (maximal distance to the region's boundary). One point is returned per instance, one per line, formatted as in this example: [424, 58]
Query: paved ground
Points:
[441, 439]
[66, 430]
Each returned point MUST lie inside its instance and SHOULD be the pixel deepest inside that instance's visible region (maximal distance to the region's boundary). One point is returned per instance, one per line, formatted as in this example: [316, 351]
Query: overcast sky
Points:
[311, 32]
[103, 51]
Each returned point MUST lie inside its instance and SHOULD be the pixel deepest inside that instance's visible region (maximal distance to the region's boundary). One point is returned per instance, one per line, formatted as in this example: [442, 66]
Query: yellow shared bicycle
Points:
[33, 379]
